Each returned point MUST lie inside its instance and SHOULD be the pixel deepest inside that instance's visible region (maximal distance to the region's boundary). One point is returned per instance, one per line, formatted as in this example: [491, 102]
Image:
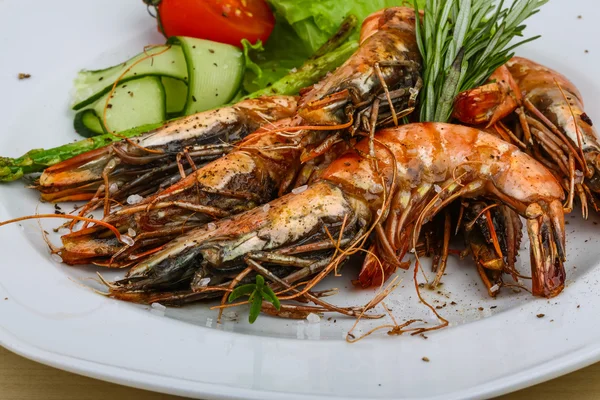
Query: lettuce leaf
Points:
[266, 64]
[315, 21]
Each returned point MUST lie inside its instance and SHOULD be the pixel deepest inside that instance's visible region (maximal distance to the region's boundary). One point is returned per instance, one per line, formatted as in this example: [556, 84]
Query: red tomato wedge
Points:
[225, 21]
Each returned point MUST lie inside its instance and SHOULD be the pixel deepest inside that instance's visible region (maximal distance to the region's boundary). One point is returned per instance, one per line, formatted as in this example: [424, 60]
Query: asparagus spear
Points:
[309, 73]
[329, 56]
[37, 159]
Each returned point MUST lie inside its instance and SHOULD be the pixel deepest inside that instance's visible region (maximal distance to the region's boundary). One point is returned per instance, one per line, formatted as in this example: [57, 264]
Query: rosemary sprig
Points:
[462, 42]
[258, 292]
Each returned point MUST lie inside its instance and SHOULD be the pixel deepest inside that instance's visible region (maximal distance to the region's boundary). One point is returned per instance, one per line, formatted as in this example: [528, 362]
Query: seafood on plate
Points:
[276, 157]
[287, 189]
[303, 236]
[542, 112]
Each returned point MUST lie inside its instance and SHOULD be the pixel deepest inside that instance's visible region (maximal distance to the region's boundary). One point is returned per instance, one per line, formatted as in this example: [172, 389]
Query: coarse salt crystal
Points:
[64, 231]
[158, 306]
[134, 199]
[131, 232]
[211, 226]
[127, 240]
[161, 214]
[379, 212]
[113, 188]
[230, 316]
[437, 188]
[495, 288]
[300, 189]
[203, 282]
[313, 318]
[376, 188]
[56, 258]
[266, 207]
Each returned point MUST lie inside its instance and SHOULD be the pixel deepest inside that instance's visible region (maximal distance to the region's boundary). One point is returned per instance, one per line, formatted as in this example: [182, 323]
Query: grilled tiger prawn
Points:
[438, 163]
[147, 163]
[550, 123]
[311, 232]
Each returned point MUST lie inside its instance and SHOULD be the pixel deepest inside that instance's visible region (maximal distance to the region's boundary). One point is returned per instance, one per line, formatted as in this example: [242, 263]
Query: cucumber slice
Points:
[176, 91]
[134, 103]
[91, 85]
[215, 72]
[87, 123]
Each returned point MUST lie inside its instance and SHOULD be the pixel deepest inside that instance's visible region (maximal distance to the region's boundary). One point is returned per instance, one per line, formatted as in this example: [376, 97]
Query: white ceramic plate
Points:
[48, 313]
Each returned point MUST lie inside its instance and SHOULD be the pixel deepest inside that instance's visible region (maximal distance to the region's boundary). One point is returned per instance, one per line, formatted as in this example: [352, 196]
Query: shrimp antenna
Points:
[284, 130]
[125, 239]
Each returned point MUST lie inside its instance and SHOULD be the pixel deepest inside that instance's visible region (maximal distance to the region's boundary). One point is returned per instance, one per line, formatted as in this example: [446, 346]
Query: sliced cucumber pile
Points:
[183, 77]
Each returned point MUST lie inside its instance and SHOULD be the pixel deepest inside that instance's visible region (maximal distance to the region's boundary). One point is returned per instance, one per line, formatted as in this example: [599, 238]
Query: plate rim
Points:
[560, 366]
[583, 356]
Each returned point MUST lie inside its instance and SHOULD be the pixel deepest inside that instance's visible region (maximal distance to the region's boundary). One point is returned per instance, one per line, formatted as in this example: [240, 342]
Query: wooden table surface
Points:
[22, 379]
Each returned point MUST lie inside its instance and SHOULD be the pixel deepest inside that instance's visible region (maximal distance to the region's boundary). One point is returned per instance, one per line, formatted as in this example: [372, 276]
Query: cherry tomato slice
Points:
[225, 21]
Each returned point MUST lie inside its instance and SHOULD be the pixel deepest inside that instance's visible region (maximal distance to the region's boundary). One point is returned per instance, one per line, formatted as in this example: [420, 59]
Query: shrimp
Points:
[437, 163]
[309, 233]
[386, 68]
[551, 123]
[264, 165]
[142, 165]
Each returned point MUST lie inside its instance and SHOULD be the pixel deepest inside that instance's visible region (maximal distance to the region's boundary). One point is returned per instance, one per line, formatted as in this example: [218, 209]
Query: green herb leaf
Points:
[269, 295]
[255, 307]
[243, 290]
[462, 42]
[449, 89]
[260, 282]
[258, 292]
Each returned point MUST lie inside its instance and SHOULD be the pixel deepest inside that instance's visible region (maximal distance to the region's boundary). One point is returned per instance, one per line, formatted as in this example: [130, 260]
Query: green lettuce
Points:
[314, 21]
[283, 52]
